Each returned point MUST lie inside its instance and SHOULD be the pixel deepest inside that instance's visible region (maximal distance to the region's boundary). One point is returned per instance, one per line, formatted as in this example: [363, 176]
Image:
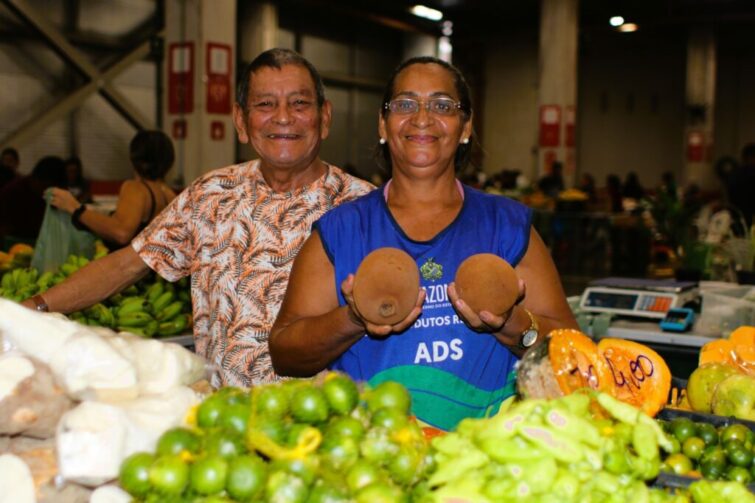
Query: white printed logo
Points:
[441, 351]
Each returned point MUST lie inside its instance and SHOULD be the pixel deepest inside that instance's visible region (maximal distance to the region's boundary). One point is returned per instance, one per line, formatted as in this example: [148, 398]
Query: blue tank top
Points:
[451, 371]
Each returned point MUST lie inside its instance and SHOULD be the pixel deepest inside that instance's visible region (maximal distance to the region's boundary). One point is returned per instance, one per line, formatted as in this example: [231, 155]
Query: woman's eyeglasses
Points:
[437, 106]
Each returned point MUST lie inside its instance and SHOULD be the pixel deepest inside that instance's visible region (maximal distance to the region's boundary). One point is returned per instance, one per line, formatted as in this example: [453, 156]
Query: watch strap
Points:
[40, 304]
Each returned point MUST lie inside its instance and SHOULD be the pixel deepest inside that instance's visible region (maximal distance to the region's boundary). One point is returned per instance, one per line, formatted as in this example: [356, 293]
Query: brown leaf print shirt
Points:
[238, 239]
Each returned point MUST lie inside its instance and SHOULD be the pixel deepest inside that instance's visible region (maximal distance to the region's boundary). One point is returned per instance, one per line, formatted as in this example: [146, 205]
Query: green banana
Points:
[150, 328]
[185, 296]
[137, 319]
[103, 315]
[68, 269]
[7, 282]
[45, 280]
[170, 311]
[154, 291]
[174, 326]
[162, 301]
[82, 261]
[131, 308]
[132, 290]
[132, 330]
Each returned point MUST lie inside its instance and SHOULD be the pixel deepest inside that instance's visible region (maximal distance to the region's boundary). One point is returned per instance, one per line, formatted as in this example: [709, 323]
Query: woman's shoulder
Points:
[493, 200]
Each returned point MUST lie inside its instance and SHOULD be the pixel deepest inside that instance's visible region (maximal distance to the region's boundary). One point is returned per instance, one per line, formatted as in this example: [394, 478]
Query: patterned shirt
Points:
[238, 239]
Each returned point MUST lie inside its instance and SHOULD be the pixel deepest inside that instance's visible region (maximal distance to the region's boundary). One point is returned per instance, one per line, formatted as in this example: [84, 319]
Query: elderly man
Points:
[236, 230]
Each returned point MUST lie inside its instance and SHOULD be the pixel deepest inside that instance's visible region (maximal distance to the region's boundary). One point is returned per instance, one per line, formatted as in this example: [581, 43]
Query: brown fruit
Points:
[386, 286]
[486, 282]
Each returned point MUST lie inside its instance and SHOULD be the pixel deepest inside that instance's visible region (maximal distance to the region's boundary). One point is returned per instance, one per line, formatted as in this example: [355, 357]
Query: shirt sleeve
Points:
[167, 245]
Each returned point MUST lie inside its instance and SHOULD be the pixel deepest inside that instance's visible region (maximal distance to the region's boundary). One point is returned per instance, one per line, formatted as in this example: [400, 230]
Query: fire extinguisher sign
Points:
[550, 125]
[219, 78]
[181, 78]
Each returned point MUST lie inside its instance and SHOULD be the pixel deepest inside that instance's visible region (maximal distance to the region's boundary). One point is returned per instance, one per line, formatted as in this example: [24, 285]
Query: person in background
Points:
[140, 199]
[236, 230]
[668, 186]
[632, 188]
[22, 203]
[78, 186]
[587, 185]
[456, 362]
[553, 183]
[613, 191]
[740, 184]
[9, 162]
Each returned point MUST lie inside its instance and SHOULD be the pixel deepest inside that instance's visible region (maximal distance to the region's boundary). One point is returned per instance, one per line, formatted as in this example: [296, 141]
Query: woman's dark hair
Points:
[464, 150]
[151, 154]
[79, 169]
[277, 58]
[50, 172]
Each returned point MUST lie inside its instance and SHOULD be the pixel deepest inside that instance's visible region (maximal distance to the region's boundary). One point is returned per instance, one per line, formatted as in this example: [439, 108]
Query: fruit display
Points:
[724, 381]
[386, 286]
[18, 256]
[570, 360]
[299, 441]
[151, 307]
[486, 282]
[702, 449]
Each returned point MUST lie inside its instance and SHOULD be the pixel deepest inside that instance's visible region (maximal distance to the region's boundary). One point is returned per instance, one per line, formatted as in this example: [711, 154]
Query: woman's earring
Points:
[382, 141]
[465, 141]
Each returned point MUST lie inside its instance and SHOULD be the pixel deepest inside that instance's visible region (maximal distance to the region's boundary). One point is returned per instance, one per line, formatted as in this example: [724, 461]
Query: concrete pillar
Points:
[200, 60]
[557, 89]
[258, 32]
[700, 101]
[418, 44]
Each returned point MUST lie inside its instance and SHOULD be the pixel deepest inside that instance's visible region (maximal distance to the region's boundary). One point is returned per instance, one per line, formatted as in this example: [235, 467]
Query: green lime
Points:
[390, 418]
[341, 392]
[379, 492]
[339, 453]
[134, 473]
[389, 394]
[169, 475]
[235, 418]
[210, 410]
[275, 429]
[284, 487]
[738, 454]
[739, 474]
[324, 492]
[376, 446]
[305, 468]
[178, 440]
[362, 474]
[345, 426]
[693, 448]
[208, 474]
[271, 401]
[735, 431]
[712, 471]
[403, 467]
[679, 464]
[247, 476]
[224, 443]
[309, 405]
[708, 433]
[683, 428]
[237, 396]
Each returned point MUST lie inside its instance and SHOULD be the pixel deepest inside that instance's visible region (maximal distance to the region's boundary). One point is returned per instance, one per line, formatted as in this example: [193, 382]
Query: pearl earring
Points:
[465, 141]
[382, 141]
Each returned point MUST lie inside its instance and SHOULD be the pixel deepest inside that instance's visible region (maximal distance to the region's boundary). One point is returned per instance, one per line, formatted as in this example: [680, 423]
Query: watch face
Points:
[529, 338]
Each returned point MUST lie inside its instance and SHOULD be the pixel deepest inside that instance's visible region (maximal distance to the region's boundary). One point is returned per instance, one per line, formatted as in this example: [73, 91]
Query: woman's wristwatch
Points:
[529, 336]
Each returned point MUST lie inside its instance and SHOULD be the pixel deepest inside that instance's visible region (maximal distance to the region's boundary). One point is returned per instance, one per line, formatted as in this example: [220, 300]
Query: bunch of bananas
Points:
[151, 307]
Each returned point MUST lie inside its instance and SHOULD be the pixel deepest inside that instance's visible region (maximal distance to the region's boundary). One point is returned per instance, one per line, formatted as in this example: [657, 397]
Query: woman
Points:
[457, 363]
[140, 199]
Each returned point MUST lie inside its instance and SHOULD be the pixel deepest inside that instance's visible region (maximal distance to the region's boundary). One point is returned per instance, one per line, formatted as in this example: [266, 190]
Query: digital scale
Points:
[646, 298]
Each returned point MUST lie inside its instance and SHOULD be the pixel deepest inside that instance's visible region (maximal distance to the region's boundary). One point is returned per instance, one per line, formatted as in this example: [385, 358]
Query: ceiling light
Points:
[427, 13]
[628, 27]
[616, 21]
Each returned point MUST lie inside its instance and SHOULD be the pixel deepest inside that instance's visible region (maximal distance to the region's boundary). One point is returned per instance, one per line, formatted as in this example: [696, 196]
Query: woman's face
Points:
[424, 139]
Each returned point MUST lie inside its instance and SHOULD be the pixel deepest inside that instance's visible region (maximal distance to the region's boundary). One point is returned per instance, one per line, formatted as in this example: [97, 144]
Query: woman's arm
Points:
[543, 296]
[312, 330]
[119, 227]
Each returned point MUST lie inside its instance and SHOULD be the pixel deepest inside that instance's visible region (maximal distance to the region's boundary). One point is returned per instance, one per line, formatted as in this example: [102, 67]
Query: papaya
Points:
[386, 286]
[20, 249]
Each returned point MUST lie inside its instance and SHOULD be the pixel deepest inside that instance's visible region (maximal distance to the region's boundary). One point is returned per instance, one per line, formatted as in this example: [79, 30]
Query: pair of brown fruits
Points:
[386, 285]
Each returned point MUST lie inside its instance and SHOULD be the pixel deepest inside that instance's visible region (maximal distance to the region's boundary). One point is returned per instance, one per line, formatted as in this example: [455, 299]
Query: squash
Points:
[641, 377]
[569, 360]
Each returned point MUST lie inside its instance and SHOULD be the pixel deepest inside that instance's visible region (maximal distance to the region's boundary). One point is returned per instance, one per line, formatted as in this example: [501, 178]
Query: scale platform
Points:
[646, 298]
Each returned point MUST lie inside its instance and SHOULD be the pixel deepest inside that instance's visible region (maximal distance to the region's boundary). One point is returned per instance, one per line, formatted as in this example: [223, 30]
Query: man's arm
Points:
[311, 330]
[95, 282]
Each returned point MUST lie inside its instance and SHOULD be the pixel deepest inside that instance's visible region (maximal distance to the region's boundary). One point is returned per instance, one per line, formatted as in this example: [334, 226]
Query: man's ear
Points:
[239, 122]
[326, 115]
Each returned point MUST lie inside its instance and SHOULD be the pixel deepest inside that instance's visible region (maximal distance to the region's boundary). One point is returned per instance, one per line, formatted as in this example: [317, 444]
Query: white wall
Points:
[735, 101]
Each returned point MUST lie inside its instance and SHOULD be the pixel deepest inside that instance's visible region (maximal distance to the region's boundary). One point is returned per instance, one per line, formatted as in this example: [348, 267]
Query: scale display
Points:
[644, 298]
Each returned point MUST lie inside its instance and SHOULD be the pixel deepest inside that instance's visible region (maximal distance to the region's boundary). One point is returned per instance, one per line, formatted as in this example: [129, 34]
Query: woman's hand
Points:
[347, 288]
[485, 321]
[64, 200]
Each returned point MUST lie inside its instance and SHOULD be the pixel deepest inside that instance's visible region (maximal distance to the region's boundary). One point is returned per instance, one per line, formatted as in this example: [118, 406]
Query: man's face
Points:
[283, 122]
[9, 161]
